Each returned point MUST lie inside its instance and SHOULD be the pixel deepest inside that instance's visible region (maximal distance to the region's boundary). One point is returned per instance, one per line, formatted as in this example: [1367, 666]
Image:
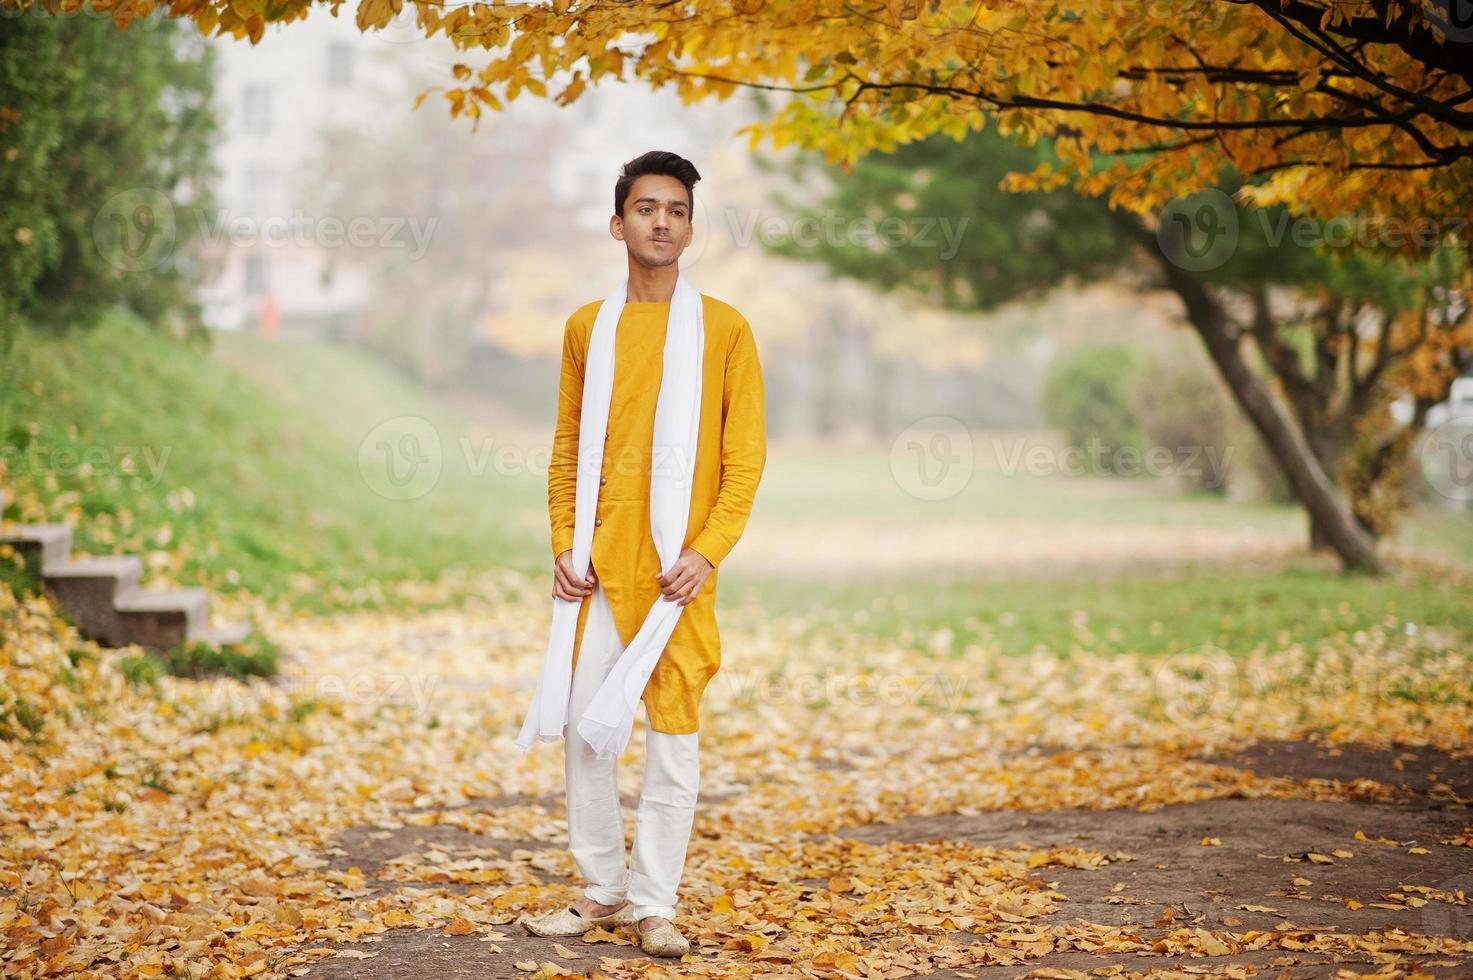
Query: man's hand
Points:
[565, 584]
[686, 577]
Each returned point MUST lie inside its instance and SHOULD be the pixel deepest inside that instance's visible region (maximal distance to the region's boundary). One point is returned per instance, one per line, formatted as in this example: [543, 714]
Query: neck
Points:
[651, 285]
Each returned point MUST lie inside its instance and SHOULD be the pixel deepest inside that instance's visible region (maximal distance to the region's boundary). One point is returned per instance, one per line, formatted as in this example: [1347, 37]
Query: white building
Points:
[275, 99]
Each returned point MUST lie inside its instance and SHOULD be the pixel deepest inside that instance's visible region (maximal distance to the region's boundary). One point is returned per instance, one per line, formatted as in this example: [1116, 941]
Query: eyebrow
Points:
[655, 200]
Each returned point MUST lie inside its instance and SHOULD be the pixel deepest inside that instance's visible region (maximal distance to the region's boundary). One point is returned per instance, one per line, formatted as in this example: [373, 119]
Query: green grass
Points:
[258, 655]
[846, 484]
[1150, 614]
[239, 468]
[1226, 604]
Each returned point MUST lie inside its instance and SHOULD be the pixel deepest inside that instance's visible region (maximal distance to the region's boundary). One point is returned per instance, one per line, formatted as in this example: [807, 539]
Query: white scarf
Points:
[609, 719]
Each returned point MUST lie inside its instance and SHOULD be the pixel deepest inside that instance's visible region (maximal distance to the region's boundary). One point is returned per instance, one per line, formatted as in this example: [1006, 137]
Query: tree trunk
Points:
[1281, 433]
[826, 381]
[1327, 455]
[882, 388]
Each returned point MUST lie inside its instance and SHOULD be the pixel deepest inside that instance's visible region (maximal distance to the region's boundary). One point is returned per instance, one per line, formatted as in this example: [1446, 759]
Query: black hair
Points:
[655, 162]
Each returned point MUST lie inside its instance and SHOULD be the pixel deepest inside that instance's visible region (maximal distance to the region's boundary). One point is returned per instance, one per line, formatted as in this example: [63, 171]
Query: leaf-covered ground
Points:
[869, 809]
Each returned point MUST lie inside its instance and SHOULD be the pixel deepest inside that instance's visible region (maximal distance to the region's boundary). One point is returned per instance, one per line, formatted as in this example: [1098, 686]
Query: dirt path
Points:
[1375, 858]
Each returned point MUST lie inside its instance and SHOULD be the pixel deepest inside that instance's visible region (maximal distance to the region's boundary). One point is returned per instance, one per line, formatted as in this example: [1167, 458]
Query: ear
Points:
[616, 227]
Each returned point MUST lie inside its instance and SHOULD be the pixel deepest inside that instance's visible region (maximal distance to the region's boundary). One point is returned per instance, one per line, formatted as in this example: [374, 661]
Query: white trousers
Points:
[667, 802]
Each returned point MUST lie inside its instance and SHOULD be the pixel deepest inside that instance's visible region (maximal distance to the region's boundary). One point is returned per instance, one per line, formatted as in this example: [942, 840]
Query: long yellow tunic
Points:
[731, 451]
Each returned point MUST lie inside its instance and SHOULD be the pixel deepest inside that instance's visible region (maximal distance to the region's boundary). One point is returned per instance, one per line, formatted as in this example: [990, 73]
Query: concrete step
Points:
[226, 635]
[122, 572]
[162, 618]
[51, 542]
[87, 589]
[102, 595]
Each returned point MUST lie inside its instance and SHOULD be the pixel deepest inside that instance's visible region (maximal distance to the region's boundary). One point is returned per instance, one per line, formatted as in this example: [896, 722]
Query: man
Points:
[653, 199]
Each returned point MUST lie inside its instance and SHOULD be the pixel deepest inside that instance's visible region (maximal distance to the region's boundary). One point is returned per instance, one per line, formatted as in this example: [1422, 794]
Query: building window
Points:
[339, 63]
[256, 179]
[257, 110]
[255, 275]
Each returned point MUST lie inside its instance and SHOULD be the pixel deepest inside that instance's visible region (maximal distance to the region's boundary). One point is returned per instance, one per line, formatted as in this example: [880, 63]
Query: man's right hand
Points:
[565, 584]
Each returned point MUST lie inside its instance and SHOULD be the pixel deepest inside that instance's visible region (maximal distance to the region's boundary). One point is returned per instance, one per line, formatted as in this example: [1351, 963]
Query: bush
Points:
[1255, 474]
[107, 139]
[1087, 395]
[257, 654]
[1183, 406]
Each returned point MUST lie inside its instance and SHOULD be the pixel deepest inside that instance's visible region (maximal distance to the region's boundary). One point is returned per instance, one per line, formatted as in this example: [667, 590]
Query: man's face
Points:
[656, 224]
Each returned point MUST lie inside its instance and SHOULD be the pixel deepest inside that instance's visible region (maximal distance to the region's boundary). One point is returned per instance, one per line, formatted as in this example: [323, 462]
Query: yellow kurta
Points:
[731, 451]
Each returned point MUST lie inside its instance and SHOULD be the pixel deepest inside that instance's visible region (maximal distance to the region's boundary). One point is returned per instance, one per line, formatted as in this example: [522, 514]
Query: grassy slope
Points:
[255, 480]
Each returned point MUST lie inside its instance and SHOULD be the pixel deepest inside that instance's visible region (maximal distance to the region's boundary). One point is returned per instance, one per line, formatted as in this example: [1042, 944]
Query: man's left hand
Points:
[686, 577]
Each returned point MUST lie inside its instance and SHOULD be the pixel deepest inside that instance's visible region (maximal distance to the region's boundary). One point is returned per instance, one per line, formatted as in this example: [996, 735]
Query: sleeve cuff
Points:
[562, 540]
[711, 546]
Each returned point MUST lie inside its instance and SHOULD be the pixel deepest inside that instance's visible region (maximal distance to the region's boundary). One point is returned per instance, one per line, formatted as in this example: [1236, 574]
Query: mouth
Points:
[662, 241]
